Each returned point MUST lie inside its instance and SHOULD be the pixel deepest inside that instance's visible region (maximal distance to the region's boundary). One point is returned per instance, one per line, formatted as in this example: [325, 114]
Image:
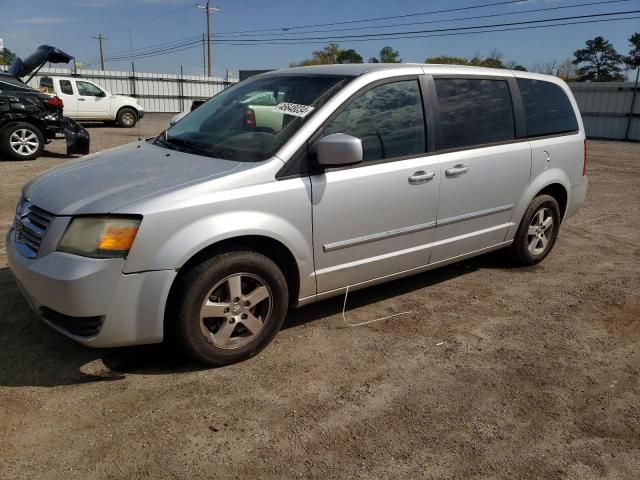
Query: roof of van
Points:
[357, 69]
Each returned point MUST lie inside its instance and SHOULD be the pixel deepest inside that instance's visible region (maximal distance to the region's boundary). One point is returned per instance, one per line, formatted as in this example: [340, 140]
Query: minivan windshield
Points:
[250, 121]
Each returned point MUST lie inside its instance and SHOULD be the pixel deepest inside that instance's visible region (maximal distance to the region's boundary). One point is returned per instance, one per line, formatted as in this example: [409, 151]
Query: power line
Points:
[181, 42]
[152, 19]
[530, 27]
[400, 35]
[443, 20]
[415, 32]
[392, 17]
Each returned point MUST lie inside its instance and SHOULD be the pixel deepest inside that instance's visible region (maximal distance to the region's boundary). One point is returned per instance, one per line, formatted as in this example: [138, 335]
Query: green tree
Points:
[494, 60]
[330, 54]
[349, 56]
[633, 59]
[389, 55]
[447, 60]
[598, 62]
[7, 57]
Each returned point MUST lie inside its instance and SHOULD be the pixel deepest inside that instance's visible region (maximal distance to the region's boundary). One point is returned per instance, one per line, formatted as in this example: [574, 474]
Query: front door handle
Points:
[81, 99]
[456, 170]
[421, 177]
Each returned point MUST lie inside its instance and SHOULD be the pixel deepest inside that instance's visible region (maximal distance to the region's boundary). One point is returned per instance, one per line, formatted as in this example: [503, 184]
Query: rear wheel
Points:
[231, 307]
[21, 141]
[538, 231]
[127, 118]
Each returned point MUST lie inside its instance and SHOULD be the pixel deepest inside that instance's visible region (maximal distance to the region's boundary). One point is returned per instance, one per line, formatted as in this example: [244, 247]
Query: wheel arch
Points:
[267, 246]
[37, 123]
[128, 107]
[559, 192]
[554, 182]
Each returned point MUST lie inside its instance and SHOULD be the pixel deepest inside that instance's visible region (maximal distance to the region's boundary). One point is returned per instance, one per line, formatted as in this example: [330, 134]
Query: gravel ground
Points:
[498, 372]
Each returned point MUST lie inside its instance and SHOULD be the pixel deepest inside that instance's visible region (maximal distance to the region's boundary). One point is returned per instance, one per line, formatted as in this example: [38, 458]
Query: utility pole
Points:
[204, 54]
[100, 38]
[209, 10]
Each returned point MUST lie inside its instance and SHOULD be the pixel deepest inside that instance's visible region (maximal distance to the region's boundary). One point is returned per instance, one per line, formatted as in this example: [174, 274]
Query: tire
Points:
[215, 324]
[21, 141]
[533, 241]
[127, 118]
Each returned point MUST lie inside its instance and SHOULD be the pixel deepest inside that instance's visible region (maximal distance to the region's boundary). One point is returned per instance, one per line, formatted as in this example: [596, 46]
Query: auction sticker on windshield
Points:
[293, 109]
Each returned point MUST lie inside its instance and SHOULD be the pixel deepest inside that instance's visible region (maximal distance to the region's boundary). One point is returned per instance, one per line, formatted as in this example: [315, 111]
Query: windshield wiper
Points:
[186, 145]
[162, 141]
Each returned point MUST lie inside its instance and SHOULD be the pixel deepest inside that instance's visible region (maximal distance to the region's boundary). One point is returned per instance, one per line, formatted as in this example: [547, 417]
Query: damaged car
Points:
[29, 118]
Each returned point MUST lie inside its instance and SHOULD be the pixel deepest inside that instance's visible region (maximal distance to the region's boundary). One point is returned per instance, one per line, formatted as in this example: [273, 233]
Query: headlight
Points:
[100, 237]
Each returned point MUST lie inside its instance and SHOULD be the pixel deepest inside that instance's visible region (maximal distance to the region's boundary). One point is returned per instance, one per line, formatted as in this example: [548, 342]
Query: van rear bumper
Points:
[577, 196]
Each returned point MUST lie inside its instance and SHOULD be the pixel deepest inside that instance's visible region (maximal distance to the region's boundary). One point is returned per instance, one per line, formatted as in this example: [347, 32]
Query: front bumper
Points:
[140, 114]
[91, 300]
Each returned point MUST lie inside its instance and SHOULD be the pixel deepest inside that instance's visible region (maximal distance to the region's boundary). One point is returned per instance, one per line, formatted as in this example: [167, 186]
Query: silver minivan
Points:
[291, 187]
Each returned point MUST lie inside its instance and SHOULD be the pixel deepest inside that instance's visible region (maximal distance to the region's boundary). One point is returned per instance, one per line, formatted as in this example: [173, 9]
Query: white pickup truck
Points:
[84, 100]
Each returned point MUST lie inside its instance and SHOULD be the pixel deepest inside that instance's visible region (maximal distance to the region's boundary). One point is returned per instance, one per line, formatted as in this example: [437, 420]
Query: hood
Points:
[105, 181]
[45, 53]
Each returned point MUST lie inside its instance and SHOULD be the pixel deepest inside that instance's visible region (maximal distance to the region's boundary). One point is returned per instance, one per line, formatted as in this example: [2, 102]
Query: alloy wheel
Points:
[540, 231]
[24, 142]
[236, 310]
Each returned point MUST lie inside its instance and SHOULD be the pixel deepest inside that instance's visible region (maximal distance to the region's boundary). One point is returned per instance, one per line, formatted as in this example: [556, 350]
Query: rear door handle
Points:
[81, 99]
[456, 170]
[421, 177]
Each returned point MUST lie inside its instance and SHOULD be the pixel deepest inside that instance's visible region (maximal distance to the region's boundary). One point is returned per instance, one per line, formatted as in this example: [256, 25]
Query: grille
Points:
[31, 225]
[78, 326]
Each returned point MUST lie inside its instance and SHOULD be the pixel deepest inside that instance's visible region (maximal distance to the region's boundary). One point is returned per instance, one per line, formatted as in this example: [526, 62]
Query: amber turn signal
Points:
[117, 238]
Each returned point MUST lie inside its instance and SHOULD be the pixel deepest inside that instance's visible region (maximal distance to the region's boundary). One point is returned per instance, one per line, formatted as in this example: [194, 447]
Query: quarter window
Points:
[65, 87]
[389, 120]
[473, 112]
[547, 108]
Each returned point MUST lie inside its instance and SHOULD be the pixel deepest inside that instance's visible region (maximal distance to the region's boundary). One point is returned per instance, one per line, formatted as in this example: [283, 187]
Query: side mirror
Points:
[102, 94]
[339, 149]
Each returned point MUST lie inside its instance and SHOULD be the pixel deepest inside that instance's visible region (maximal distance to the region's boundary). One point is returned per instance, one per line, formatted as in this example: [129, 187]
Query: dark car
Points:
[30, 118]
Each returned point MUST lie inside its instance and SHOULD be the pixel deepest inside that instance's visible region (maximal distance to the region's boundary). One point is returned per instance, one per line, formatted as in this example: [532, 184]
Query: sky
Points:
[71, 24]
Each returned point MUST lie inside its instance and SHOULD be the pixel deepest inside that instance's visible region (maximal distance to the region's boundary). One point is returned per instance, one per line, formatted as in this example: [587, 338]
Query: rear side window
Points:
[473, 112]
[548, 109]
[65, 87]
[388, 119]
[46, 85]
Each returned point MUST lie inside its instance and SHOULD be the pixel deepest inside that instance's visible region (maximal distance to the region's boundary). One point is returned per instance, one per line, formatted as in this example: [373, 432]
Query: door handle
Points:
[81, 99]
[421, 177]
[456, 170]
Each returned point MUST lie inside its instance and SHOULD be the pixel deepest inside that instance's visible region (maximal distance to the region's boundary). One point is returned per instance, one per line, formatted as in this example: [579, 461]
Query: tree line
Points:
[598, 61]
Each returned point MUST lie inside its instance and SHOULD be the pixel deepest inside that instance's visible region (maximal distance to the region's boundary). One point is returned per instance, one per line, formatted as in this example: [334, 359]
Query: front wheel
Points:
[127, 118]
[21, 141]
[231, 307]
[538, 231]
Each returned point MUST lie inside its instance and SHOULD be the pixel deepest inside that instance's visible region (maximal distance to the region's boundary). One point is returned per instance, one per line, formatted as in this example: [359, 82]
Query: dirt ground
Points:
[497, 372]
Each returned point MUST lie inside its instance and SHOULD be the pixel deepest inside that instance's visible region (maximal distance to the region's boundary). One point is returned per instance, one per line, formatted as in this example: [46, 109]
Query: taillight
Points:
[250, 118]
[55, 102]
[584, 160]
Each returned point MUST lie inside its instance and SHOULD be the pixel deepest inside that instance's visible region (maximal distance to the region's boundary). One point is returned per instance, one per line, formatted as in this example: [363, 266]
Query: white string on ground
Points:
[344, 318]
